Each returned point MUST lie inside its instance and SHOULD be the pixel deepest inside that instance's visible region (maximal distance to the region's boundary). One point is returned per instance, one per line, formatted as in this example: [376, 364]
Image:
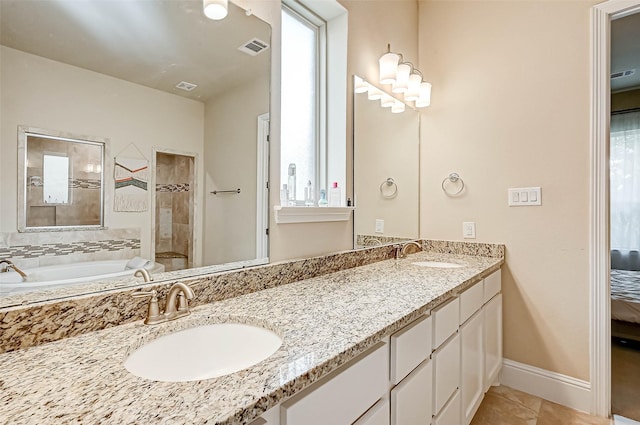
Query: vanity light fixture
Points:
[215, 9]
[387, 101]
[374, 93]
[360, 86]
[404, 79]
[397, 107]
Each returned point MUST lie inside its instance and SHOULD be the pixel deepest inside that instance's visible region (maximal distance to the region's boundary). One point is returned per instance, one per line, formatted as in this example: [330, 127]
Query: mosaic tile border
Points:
[177, 187]
[74, 183]
[57, 249]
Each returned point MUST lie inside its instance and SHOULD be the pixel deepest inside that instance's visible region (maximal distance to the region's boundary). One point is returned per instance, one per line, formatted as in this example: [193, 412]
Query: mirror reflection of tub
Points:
[63, 275]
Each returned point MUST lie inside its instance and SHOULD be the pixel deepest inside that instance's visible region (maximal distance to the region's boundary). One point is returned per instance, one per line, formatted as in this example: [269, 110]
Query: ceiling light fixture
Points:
[215, 9]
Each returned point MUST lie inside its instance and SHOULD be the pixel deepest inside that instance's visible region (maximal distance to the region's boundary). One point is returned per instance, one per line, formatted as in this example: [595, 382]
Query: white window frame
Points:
[332, 106]
[320, 28]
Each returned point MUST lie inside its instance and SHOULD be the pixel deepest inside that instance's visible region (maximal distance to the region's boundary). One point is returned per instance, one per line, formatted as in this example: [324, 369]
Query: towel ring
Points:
[391, 193]
[453, 178]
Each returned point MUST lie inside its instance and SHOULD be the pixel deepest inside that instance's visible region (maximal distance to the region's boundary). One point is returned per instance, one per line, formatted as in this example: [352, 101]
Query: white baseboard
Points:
[552, 386]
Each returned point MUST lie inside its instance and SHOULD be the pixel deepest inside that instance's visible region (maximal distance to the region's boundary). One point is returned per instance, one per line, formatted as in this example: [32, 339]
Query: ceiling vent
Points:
[253, 47]
[623, 74]
[183, 85]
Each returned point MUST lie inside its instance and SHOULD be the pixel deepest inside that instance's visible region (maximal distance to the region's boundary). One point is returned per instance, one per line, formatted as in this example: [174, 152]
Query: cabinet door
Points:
[410, 346]
[472, 366]
[377, 415]
[446, 375]
[345, 395]
[471, 300]
[411, 398]
[445, 319]
[492, 340]
[450, 414]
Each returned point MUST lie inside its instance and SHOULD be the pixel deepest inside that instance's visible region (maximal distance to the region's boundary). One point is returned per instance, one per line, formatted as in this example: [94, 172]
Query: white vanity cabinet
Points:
[434, 371]
[344, 395]
[493, 340]
[411, 373]
[446, 359]
[481, 342]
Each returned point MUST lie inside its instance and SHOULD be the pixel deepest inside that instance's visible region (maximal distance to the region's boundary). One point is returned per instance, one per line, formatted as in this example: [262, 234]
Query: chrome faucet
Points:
[10, 266]
[145, 275]
[177, 304]
[401, 249]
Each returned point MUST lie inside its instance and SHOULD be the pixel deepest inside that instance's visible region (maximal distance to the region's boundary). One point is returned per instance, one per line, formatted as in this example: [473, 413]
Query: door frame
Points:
[599, 244]
[262, 189]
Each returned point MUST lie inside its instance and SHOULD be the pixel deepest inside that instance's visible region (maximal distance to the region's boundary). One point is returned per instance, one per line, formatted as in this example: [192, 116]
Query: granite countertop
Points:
[324, 322]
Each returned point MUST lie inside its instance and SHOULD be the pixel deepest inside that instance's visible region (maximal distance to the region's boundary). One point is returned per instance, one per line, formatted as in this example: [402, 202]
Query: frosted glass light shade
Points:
[388, 67]
[374, 93]
[387, 101]
[402, 78]
[397, 107]
[359, 85]
[215, 9]
[413, 90]
[425, 96]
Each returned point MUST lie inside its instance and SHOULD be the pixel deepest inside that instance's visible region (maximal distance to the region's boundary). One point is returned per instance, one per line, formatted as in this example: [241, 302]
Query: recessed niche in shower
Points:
[174, 210]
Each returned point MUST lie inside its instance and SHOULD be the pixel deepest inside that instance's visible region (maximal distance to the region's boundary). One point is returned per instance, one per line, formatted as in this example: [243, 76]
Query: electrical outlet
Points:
[469, 230]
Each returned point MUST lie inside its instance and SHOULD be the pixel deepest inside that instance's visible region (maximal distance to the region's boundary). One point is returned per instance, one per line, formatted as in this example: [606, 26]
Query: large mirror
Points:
[386, 172]
[184, 104]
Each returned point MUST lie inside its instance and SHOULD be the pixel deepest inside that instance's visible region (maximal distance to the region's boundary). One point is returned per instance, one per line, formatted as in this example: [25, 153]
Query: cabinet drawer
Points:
[345, 395]
[446, 375]
[410, 346]
[445, 321]
[377, 415]
[450, 415]
[492, 285]
[471, 300]
[411, 399]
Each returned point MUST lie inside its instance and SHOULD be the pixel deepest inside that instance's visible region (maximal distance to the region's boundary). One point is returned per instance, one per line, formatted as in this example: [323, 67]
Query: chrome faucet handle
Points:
[153, 311]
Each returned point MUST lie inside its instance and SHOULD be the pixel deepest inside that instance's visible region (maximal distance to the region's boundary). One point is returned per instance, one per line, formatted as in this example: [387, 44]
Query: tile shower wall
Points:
[28, 250]
[174, 212]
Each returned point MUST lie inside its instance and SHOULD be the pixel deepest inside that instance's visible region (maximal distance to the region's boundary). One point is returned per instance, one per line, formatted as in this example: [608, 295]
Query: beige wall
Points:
[230, 162]
[510, 108]
[51, 95]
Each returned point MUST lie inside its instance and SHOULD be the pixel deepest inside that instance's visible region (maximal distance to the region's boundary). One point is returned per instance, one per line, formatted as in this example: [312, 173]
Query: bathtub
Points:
[70, 274]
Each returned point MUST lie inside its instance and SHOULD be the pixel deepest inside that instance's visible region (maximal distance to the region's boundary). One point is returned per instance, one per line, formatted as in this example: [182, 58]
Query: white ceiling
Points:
[155, 43]
[625, 51]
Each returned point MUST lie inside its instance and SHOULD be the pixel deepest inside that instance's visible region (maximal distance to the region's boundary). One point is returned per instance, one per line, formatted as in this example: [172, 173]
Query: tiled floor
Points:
[505, 406]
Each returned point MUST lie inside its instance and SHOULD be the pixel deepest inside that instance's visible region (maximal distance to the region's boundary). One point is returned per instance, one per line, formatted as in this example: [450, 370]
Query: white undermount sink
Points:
[203, 352]
[437, 264]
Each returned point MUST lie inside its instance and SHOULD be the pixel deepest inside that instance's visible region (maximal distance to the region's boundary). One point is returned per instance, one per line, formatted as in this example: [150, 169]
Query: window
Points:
[302, 96]
[625, 181]
[313, 95]
[55, 171]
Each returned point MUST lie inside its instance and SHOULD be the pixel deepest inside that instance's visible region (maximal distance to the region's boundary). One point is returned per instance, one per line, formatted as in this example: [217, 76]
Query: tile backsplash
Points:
[28, 250]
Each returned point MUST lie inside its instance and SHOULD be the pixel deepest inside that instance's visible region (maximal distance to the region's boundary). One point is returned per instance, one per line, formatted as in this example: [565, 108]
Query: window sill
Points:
[286, 215]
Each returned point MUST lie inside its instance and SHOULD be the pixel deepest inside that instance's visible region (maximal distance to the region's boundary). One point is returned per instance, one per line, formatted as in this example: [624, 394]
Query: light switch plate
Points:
[469, 230]
[379, 225]
[524, 196]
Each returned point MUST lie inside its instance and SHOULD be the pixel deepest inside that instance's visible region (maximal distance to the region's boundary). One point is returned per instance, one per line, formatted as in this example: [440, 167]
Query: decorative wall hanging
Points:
[131, 179]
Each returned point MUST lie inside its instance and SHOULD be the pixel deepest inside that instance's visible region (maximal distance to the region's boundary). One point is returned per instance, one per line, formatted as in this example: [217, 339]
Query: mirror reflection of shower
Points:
[174, 207]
